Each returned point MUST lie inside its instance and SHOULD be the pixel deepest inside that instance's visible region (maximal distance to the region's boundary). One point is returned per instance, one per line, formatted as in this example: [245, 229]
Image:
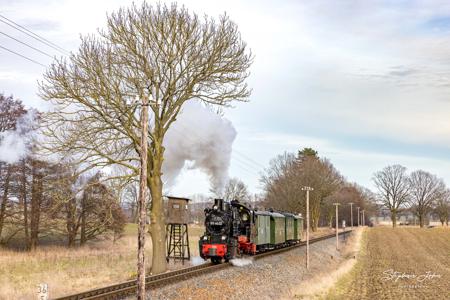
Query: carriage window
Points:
[177, 206]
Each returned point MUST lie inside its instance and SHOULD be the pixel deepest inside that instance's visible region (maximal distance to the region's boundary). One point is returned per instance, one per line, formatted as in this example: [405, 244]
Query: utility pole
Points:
[351, 214]
[358, 216]
[142, 218]
[307, 189]
[337, 226]
[363, 219]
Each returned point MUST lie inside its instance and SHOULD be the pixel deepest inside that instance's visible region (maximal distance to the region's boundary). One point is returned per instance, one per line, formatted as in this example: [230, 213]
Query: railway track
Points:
[127, 288]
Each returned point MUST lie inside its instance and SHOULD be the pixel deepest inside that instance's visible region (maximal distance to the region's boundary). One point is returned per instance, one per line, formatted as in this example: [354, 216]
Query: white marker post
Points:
[43, 291]
[337, 226]
[351, 214]
[307, 189]
[358, 216]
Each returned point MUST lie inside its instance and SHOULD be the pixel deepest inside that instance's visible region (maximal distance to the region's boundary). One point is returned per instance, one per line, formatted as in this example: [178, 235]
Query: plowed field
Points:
[401, 263]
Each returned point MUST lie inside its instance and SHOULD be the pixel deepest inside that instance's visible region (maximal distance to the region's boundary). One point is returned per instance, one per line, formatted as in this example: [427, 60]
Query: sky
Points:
[365, 83]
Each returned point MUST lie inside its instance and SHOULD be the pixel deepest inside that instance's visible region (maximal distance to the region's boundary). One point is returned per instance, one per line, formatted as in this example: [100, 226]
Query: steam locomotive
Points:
[233, 229]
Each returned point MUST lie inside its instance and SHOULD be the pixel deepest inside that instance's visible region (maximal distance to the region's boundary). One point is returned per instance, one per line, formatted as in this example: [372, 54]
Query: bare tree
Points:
[393, 187]
[286, 176]
[425, 189]
[281, 185]
[164, 52]
[235, 189]
[130, 200]
[324, 178]
[442, 207]
[10, 111]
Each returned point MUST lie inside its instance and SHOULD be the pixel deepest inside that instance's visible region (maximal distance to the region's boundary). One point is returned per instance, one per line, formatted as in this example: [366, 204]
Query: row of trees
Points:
[40, 199]
[288, 173]
[420, 192]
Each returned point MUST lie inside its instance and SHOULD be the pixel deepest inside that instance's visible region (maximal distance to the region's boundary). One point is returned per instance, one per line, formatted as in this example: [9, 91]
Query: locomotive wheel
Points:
[216, 260]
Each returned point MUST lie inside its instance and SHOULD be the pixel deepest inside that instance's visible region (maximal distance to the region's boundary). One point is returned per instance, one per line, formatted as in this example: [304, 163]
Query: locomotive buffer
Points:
[177, 237]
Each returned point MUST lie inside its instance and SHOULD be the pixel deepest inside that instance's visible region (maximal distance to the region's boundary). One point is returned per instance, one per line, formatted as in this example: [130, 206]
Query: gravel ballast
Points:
[271, 277]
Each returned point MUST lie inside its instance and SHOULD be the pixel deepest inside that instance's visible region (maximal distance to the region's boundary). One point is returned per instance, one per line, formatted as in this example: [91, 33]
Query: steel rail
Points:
[127, 288]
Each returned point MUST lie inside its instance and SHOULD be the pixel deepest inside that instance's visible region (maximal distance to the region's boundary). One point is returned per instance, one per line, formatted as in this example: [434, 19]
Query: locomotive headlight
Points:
[224, 237]
[205, 238]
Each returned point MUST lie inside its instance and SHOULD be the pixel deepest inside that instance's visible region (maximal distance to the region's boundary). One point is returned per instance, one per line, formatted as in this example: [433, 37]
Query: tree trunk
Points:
[421, 220]
[25, 204]
[315, 215]
[36, 199]
[5, 199]
[157, 228]
[71, 240]
[83, 221]
[394, 218]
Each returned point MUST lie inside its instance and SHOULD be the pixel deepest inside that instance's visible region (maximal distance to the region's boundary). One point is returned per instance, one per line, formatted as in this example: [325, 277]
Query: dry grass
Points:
[69, 271]
[316, 286]
[410, 251]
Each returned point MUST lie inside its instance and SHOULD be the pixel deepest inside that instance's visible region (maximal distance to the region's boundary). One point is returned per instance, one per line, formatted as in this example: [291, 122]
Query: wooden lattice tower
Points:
[177, 236]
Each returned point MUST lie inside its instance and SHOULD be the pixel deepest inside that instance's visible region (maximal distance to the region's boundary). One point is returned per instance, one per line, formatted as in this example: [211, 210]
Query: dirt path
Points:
[401, 263]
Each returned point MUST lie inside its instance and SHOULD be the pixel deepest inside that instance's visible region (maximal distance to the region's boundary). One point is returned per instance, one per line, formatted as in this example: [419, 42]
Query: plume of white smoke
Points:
[241, 262]
[204, 139]
[14, 143]
[197, 260]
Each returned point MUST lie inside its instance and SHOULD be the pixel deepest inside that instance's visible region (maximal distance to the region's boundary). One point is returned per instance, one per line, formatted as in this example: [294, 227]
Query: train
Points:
[233, 229]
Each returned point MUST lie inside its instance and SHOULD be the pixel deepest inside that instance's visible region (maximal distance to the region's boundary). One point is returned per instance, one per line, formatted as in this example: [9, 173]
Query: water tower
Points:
[177, 237]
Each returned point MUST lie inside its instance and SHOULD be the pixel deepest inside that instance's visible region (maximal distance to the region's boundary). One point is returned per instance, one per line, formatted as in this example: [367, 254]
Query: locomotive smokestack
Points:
[219, 203]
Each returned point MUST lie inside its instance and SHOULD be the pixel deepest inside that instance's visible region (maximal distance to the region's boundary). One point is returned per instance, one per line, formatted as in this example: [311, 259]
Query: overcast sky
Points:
[365, 83]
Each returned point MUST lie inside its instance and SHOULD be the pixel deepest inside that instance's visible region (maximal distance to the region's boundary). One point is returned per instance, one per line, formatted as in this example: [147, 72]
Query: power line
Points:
[23, 43]
[23, 56]
[249, 159]
[33, 35]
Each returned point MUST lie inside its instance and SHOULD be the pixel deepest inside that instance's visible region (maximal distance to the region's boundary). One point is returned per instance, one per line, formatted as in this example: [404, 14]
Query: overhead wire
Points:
[29, 46]
[23, 56]
[33, 35]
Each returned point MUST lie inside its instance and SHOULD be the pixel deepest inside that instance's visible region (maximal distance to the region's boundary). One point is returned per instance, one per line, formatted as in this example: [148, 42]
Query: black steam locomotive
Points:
[233, 229]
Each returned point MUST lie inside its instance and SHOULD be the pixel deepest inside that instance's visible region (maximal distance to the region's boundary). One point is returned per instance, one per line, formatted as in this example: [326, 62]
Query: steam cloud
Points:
[197, 260]
[203, 138]
[241, 262]
[13, 143]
